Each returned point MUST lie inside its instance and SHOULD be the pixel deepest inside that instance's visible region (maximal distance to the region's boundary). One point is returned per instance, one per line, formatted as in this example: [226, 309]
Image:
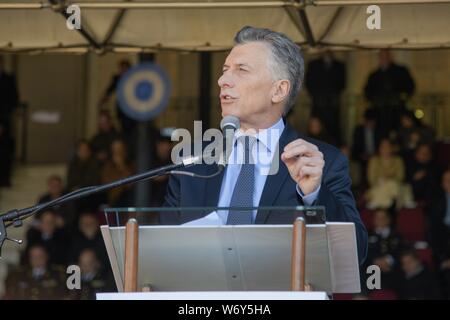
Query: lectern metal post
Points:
[131, 256]
[298, 261]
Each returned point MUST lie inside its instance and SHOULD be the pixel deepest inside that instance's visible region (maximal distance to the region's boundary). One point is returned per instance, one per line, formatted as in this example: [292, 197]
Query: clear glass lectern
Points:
[193, 249]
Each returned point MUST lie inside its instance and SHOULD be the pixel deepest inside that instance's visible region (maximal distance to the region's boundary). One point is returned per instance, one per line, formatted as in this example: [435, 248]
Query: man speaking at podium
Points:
[261, 79]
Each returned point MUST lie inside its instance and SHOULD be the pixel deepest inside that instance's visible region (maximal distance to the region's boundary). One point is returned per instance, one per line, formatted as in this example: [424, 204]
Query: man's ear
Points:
[281, 90]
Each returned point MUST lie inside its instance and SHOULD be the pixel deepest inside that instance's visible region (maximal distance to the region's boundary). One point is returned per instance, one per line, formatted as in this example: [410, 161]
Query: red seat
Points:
[411, 224]
[367, 218]
[383, 294]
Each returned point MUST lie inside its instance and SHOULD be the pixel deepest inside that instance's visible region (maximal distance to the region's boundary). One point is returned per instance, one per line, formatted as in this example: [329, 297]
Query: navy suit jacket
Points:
[279, 190]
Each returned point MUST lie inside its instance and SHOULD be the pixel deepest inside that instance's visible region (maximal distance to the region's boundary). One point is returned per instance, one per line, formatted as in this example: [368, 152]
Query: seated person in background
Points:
[84, 171]
[38, 279]
[101, 142]
[88, 236]
[385, 246]
[422, 173]
[117, 168]
[366, 138]
[52, 238]
[439, 218]
[445, 275]
[317, 131]
[93, 277]
[385, 175]
[412, 133]
[66, 211]
[417, 283]
[159, 184]
[354, 168]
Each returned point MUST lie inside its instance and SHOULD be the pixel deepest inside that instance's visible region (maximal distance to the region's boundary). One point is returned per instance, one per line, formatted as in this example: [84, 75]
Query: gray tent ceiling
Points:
[142, 25]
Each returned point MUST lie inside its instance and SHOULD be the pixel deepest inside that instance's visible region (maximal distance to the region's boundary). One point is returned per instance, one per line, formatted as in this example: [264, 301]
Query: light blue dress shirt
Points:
[263, 151]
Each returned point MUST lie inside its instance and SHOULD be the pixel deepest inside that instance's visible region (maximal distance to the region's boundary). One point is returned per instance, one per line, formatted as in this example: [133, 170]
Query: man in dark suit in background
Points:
[388, 89]
[8, 102]
[128, 125]
[439, 218]
[325, 81]
[9, 97]
[261, 78]
[366, 138]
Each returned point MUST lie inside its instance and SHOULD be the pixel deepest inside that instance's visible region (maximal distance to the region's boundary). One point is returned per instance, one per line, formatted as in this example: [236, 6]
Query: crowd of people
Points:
[395, 172]
[397, 182]
[391, 161]
[69, 234]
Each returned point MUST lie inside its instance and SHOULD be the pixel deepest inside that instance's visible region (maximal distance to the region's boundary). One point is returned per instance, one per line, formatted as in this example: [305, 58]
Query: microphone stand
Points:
[16, 216]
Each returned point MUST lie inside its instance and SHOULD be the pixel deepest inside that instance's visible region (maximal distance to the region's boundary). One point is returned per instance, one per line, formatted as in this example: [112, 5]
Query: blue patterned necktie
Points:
[245, 186]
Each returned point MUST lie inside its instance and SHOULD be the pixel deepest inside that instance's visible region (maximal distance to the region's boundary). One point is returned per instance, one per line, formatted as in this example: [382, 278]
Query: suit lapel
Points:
[275, 182]
[212, 187]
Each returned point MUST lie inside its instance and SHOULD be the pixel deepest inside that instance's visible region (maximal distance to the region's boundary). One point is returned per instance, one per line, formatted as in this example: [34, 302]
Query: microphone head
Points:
[230, 122]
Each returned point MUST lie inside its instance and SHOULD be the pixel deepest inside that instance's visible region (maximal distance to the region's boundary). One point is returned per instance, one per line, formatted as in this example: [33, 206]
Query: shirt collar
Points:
[268, 137]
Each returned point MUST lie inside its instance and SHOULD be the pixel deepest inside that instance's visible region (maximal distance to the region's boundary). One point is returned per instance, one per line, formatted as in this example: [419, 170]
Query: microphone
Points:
[228, 125]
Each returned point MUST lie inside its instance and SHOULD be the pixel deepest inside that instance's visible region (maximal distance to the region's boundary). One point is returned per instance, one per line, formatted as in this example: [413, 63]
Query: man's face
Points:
[409, 264]
[88, 225]
[88, 262]
[123, 67]
[385, 148]
[314, 126]
[247, 86]
[38, 257]
[406, 122]
[381, 219]
[104, 123]
[384, 58]
[48, 223]
[84, 151]
[118, 148]
[55, 186]
[423, 154]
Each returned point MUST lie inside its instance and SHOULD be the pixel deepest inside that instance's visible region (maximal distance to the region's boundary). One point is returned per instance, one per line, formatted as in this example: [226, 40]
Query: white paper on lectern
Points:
[211, 219]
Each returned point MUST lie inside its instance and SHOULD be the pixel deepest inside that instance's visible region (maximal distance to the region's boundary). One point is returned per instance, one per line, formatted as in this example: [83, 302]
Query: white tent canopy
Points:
[143, 25]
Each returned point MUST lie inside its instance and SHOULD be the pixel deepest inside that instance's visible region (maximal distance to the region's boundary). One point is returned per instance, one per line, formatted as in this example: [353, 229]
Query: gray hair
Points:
[286, 59]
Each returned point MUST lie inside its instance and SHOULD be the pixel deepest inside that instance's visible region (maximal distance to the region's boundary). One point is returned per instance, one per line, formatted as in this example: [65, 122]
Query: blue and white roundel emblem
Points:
[143, 91]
